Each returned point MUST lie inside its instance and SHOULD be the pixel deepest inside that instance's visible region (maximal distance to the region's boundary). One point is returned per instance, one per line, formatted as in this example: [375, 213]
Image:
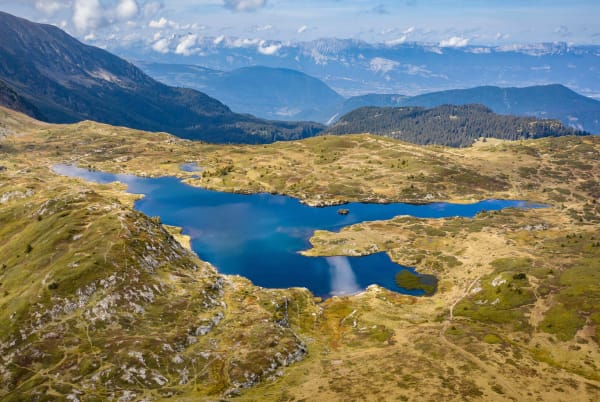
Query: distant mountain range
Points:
[548, 101]
[291, 95]
[450, 125]
[353, 67]
[272, 93]
[49, 75]
[544, 101]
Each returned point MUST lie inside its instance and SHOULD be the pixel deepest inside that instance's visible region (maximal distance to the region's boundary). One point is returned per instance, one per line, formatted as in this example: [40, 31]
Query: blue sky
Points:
[445, 22]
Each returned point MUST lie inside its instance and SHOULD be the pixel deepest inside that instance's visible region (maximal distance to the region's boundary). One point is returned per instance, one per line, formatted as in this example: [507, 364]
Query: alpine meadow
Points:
[299, 201]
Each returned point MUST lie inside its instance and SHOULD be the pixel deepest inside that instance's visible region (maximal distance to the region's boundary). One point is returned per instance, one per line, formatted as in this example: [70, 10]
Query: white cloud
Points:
[401, 39]
[127, 9]
[268, 50]
[541, 68]
[89, 37]
[244, 42]
[397, 41]
[91, 14]
[481, 50]
[302, 29]
[244, 5]
[161, 23]
[51, 7]
[262, 28]
[161, 46]
[381, 65]
[411, 69]
[151, 8]
[455, 41]
[219, 39]
[563, 31]
[87, 14]
[186, 46]
[500, 36]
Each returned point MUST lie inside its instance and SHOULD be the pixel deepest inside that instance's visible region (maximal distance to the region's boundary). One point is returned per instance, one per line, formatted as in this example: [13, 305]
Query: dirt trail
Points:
[465, 294]
[491, 371]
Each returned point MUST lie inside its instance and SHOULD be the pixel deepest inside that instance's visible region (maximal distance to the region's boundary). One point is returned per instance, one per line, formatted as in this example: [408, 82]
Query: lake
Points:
[259, 236]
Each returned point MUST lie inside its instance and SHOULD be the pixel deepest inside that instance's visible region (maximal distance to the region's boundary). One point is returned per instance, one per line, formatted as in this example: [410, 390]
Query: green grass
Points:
[492, 339]
[504, 303]
[409, 281]
[562, 322]
[519, 264]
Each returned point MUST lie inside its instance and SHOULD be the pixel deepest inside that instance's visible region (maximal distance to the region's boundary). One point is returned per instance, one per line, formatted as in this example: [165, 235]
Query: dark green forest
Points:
[455, 126]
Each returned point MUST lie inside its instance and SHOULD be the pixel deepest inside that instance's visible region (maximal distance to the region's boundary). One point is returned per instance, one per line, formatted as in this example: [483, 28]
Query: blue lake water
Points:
[259, 236]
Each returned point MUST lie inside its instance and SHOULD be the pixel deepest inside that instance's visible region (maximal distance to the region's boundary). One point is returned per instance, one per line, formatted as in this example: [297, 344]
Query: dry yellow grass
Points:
[377, 345]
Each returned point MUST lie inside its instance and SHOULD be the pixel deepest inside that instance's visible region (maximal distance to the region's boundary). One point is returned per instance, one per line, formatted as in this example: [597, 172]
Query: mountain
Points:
[553, 101]
[449, 125]
[12, 100]
[67, 81]
[547, 101]
[377, 100]
[292, 95]
[352, 67]
[272, 93]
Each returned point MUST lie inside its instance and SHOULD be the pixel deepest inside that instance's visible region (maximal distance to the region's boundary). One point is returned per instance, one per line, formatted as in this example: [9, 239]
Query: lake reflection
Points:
[343, 280]
[259, 236]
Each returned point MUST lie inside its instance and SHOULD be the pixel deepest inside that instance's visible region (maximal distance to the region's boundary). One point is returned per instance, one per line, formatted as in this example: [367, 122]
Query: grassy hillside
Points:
[101, 303]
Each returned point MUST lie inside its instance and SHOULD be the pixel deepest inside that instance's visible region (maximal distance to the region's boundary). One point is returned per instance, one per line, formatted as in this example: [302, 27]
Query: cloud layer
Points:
[449, 24]
[455, 41]
[244, 5]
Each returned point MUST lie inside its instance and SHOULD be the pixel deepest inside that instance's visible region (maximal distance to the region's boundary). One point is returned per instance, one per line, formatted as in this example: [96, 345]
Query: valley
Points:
[101, 302]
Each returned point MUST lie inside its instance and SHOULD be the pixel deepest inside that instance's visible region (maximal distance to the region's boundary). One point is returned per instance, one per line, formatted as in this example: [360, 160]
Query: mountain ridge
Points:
[267, 92]
[68, 81]
[543, 101]
[248, 94]
[354, 68]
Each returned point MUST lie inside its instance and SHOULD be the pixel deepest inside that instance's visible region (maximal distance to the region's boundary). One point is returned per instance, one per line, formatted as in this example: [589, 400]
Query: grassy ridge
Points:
[100, 302]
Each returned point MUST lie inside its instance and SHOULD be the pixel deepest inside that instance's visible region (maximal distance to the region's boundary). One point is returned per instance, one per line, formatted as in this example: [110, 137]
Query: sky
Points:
[447, 23]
